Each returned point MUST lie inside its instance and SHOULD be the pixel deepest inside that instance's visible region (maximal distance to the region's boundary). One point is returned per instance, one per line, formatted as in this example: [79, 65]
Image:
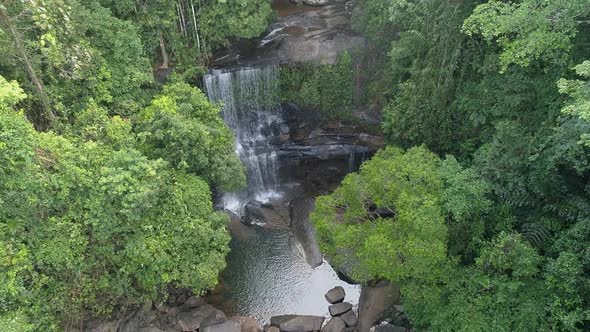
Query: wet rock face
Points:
[299, 211]
[319, 34]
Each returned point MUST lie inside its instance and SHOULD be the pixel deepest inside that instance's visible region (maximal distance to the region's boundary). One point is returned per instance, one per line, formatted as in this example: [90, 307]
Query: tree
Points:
[181, 120]
[92, 224]
[579, 92]
[528, 30]
[411, 244]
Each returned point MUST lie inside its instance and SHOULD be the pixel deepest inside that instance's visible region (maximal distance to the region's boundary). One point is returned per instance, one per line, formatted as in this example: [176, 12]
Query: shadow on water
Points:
[267, 275]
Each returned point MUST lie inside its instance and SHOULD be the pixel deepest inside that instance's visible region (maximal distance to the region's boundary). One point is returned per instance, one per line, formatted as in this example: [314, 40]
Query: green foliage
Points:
[75, 52]
[477, 79]
[466, 206]
[325, 88]
[499, 292]
[423, 63]
[179, 121]
[89, 222]
[188, 30]
[412, 244]
[528, 30]
[10, 93]
[579, 92]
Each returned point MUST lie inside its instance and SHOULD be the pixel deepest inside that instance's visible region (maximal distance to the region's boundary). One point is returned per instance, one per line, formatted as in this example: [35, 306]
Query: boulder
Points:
[339, 308]
[162, 307]
[191, 320]
[247, 324]
[228, 326]
[192, 302]
[384, 212]
[273, 329]
[105, 326]
[150, 329]
[334, 325]
[277, 320]
[335, 295]
[297, 323]
[254, 212]
[373, 302]
[216, 317]
[350, 318]
[174, 311]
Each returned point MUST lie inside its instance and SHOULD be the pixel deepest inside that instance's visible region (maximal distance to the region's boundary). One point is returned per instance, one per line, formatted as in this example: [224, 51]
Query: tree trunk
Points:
[165, 58]
[6, 21]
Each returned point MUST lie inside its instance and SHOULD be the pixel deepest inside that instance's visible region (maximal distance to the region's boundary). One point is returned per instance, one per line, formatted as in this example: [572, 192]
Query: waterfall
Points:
[251, 109]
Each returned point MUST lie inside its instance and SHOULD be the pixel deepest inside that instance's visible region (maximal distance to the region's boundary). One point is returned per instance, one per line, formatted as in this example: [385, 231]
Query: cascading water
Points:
[267, 272]
[251, 109]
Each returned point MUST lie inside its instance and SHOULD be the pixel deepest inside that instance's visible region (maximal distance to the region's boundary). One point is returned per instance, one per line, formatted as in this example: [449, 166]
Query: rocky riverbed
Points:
[184, 312]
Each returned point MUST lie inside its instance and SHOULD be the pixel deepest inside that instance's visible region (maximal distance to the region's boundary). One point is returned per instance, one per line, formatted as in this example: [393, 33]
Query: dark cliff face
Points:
[301, 33]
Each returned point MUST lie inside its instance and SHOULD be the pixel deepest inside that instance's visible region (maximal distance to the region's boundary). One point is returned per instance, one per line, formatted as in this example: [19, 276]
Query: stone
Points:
[254, 212]
[150, 329]
[267, 206]
[188, 323]
[228, 326]
[192, 302]
[174, 311]
[297, 323]
[384, 212]
[147, 306]
[350, 318]
[373, 303]
[105, 327]
[334, 325]
[335, 295]
[333, 125]
[216, 317]
[277, 320]
[351, 329]
[273, 329]
[181, 298]
[247, 324]
[162, 307]
[339, 308]
[191, 320]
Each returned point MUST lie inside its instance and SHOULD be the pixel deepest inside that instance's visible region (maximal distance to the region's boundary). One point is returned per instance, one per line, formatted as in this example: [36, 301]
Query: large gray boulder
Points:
[339, 308]
[191, 320]
[373, 302]
[216, 317]
[192, 302]
[247, 324]
[335, 295]
[254, 212]
[350, 318]
[228, 326]
[334, 325]
[297, 323]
